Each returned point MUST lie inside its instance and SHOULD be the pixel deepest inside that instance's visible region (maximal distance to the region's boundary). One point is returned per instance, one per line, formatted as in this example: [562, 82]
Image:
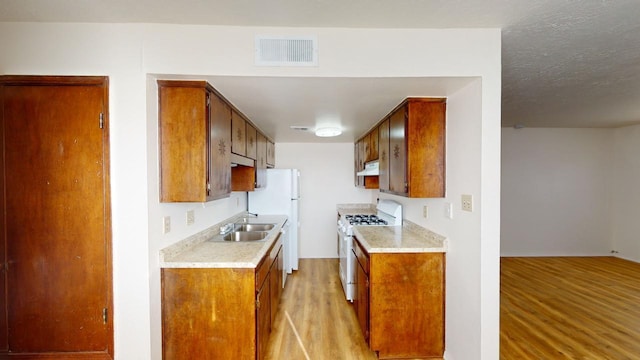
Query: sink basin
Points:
[246, 236]
[253, 227]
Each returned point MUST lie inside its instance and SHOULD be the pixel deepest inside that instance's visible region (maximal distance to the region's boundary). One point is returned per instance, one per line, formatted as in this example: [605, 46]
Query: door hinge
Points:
[104, 315]
[101, 121]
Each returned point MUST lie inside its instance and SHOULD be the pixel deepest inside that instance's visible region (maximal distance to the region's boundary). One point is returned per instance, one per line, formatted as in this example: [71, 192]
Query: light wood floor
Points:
[569, 308]
[314, 320]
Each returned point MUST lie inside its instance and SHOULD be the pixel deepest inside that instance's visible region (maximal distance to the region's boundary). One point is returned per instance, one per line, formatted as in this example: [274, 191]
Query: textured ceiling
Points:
[566, 63]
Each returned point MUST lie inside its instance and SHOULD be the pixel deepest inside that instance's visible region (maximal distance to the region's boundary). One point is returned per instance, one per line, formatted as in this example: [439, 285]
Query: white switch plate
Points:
[166, 224]
[425, 212]
[191, 217]
[448, 210]
[467, 203]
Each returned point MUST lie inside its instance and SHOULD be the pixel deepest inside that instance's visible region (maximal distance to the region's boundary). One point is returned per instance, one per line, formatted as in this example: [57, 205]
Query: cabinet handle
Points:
[257, 303]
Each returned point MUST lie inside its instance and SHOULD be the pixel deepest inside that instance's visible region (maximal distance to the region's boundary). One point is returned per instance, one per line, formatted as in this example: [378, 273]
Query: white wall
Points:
[127, 53]
[626, 192]
[326, 179]
[556, 197]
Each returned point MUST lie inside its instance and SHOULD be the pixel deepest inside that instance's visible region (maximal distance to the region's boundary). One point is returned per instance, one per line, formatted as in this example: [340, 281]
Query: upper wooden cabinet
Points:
[383, 154]
[419, 157]
[238, 134]
[251, 141]
[371, 141]
[271, 153]
[411, 149]
[261, 161]
[194, 126]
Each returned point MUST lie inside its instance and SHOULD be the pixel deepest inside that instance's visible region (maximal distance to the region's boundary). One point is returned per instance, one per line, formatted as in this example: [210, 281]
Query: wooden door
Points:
[398, 152]
[57, 238]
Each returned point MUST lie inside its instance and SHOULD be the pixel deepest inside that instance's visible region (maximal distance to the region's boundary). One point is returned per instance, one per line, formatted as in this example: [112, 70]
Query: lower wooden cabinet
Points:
[400, 303]
[220, 313]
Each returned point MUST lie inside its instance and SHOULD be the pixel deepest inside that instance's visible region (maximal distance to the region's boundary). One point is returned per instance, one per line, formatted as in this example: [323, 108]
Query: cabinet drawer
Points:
[361, 255]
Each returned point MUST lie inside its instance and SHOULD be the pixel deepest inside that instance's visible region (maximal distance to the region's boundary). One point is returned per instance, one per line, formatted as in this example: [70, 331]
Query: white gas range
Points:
[389, 213]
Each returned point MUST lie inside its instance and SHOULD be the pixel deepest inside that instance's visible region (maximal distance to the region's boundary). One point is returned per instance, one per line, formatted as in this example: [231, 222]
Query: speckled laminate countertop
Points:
[408, 238]
[206, 249]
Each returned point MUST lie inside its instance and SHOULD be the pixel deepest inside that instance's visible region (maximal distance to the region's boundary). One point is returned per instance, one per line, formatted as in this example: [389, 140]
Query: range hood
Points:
[370, 169]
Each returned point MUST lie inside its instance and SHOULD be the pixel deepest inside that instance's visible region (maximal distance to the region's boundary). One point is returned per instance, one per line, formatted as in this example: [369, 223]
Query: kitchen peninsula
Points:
[400, 287]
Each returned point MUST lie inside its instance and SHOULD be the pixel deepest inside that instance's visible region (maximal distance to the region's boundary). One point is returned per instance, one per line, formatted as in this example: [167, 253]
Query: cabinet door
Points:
[398, 152]
[183, 121]
[263, 318]
[251, 141]
[383, 155]
[275, 277]
[360, 151]
[238, 134]
[372, 154]
[271, 153]
[361, 301]
[261, 161]
[220, 147]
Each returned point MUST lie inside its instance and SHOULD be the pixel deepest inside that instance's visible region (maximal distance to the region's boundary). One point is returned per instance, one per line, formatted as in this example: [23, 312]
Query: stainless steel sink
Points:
[253, 227]
[246, 236]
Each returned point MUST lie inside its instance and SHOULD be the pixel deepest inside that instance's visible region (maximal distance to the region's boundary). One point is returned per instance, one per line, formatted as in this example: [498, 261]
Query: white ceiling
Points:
[566, 63]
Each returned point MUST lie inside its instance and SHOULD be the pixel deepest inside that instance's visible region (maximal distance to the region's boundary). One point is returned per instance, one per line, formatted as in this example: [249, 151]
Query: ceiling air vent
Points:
[286, 51]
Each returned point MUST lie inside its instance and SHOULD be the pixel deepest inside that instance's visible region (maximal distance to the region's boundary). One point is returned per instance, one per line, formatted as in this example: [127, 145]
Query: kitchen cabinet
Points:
[261, 161]
[417, 148]
[383, 155]
[402, 310]
[220, 313]
[371, 141]
[238, 134]
[195, 142]
[361, 300]
[360, 156]
[251, 141]
[271, 153]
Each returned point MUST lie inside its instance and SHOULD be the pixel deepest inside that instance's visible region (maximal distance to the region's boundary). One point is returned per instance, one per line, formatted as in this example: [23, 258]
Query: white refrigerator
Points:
[281, 197]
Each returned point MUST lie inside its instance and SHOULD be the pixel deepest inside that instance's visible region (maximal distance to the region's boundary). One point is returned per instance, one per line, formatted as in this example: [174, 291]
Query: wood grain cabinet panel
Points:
[271, 153]
[261, 161]
[404, 313]
[410, 147]
[195, 142]
[417, 149]
[383, 155]
[372, 149]
[251, 141]
[220, 313]
[238, 134]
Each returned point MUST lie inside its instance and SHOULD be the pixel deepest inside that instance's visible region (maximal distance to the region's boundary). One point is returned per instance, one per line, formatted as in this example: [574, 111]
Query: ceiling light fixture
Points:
[328, 131]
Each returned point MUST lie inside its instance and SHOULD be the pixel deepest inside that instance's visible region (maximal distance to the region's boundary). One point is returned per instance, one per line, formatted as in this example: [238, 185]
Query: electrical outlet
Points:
[448, 210]
[191, 217]
[166, 224]
[237, 201]
[467, 203]
[425, 212]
